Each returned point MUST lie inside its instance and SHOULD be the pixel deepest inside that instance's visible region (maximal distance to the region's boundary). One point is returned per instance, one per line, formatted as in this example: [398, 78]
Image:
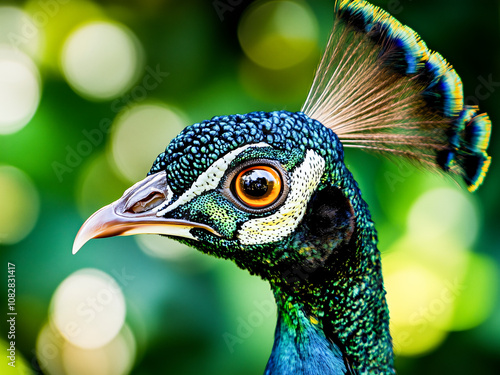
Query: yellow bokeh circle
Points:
[278, 34]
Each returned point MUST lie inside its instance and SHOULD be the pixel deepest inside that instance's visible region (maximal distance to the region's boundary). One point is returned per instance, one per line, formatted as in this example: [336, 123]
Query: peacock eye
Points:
[258, 186]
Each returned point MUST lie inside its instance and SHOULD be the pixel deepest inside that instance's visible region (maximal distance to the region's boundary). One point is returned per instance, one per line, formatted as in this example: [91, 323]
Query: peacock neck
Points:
[301, 347]
[338, 307]
[340, 326]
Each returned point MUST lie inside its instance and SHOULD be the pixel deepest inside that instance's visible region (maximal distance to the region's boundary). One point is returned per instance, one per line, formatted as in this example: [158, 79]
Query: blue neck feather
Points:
[300, 347]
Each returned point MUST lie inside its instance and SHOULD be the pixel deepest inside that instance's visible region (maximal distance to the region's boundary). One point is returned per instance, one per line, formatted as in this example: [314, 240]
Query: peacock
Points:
[271, 192]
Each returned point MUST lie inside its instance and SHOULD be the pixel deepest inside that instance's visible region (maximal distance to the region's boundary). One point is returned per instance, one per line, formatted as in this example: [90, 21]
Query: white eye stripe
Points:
[303, 182]
[208, 180]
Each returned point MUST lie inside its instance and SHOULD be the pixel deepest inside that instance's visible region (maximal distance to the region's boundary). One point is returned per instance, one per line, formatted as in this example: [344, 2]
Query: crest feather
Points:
[379, 88]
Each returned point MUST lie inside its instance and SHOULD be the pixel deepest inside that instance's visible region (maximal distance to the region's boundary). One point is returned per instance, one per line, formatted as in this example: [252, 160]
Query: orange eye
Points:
[258, 186]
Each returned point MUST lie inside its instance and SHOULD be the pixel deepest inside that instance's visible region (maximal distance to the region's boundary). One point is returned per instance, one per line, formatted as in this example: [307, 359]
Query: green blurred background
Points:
[91, 92]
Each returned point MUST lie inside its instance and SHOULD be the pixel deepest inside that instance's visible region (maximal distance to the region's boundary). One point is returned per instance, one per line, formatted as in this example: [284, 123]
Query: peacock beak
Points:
[136, 213]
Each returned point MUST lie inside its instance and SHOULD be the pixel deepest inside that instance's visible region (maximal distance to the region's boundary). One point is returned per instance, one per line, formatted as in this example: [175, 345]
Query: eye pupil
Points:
[256, 183]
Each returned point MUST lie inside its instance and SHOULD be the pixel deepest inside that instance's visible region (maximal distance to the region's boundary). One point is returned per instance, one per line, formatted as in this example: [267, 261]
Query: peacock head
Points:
[266, 190]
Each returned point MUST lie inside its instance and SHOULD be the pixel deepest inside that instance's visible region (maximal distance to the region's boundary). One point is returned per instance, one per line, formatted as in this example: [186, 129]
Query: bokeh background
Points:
[91, 92]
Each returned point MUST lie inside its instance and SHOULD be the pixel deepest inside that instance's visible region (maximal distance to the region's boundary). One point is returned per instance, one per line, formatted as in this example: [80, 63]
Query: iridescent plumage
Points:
[378, 87]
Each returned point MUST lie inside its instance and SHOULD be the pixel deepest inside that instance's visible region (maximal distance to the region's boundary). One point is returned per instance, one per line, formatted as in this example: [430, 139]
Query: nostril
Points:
[153, 200]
